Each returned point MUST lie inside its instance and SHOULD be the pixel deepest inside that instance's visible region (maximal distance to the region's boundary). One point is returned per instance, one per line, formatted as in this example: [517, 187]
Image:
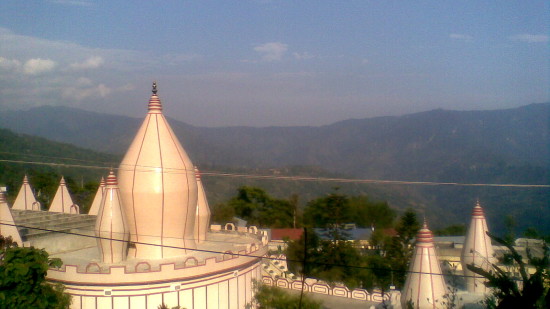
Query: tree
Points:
[222, 213]
[366, 213]
[23, 278]
[259, 208]
[328, 212]
[398, 250]
[296, 253]
[534, 292]
[328, 260]
[407, 228]
[268, 297]
[452, 230]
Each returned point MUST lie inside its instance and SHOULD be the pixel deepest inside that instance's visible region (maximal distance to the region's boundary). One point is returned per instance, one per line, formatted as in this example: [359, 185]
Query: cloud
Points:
[9, 64]
[460, 37]
[303, 56]
[272, 51]
[80, 93]
[37, 66]
[530, 38]
[72, 2]
[90, 63]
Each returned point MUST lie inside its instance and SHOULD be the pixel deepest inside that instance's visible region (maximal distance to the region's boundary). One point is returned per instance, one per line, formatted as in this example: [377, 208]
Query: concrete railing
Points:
[320, 287]
[252, 250]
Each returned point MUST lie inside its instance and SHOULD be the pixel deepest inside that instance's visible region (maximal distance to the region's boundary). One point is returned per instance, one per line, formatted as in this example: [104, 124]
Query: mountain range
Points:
[510, 146]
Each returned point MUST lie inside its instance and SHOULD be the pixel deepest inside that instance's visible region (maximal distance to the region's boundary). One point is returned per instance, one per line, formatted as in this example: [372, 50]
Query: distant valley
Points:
[501, 146]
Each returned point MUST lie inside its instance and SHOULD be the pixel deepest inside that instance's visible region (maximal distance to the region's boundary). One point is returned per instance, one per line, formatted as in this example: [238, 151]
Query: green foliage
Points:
[408, 227]
[328, 211]
[451, 299]
[397, 251]
[377, 272]
[534, 290]
[258, 208]
[268, 297]
[510, 223]
[222, 213]
[452, 230]
[306, 248]
[82, 182]
[328, 260]
[336, 208]
[23, 279]
[337, 262]
[367, 213]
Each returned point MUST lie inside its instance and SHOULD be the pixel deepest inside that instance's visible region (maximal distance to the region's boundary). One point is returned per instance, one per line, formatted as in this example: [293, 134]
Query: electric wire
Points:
[236, 254]
[253, 176]
[155, 169]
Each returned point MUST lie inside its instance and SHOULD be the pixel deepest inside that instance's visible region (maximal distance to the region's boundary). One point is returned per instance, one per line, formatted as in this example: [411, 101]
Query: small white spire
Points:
[25, 198]
[62, 201]
[94, 209]
[477, 250]
[202, 218]
[7, 226]
[111, 226]
[425, 285]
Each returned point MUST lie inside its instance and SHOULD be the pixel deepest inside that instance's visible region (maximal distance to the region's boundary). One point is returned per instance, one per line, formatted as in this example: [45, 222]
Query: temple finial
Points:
[155, 87]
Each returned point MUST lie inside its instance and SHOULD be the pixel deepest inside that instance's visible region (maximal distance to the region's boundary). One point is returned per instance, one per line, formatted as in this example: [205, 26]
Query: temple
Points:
[8, 227]
[477, 250]
[25, 198]
[96, 203]
[62, 201]
[147, 240]
[425, 285]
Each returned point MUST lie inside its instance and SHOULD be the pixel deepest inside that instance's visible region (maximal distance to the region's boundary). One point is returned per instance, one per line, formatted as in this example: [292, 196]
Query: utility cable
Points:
[288, 178]
[234, 254]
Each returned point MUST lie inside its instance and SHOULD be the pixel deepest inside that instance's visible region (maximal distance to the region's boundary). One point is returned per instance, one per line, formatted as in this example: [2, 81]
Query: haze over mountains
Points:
[500, 146]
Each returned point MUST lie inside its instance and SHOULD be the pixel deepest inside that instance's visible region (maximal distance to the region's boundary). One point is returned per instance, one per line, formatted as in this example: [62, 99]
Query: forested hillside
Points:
[498, 147]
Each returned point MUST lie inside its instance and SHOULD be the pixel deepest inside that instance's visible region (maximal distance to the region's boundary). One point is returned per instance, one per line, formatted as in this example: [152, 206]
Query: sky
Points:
[274, 63]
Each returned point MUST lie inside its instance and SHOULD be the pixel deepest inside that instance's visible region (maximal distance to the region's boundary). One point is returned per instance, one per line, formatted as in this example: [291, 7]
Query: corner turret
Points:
[62, 201]
[202, 219]
[111, 226]
[94, 209]
[425, 285]
[25, 198]
[7, 226]
[477, 250]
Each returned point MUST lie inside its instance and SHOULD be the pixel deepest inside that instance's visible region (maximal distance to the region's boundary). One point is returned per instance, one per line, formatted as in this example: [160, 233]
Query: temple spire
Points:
[94, 209]
[8, 227]
[202, 218]
[477, 250]
[425, 285]
[62, 201]
[155, 107]
[111, 226]
[159, 189]
[25, 199]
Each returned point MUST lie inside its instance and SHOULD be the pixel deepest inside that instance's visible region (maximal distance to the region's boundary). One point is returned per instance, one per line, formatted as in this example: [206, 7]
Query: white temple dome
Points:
[158, 188]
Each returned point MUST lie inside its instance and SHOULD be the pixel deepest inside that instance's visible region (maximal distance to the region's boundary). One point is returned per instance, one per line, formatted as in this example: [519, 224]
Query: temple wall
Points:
[315, 286]
[221, 281]
[230, 289]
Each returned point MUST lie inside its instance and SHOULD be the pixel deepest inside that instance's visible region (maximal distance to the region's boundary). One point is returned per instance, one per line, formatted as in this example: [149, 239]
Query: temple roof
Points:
[25, 198]
[158, 187]
[425, 285]
[62, 201]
